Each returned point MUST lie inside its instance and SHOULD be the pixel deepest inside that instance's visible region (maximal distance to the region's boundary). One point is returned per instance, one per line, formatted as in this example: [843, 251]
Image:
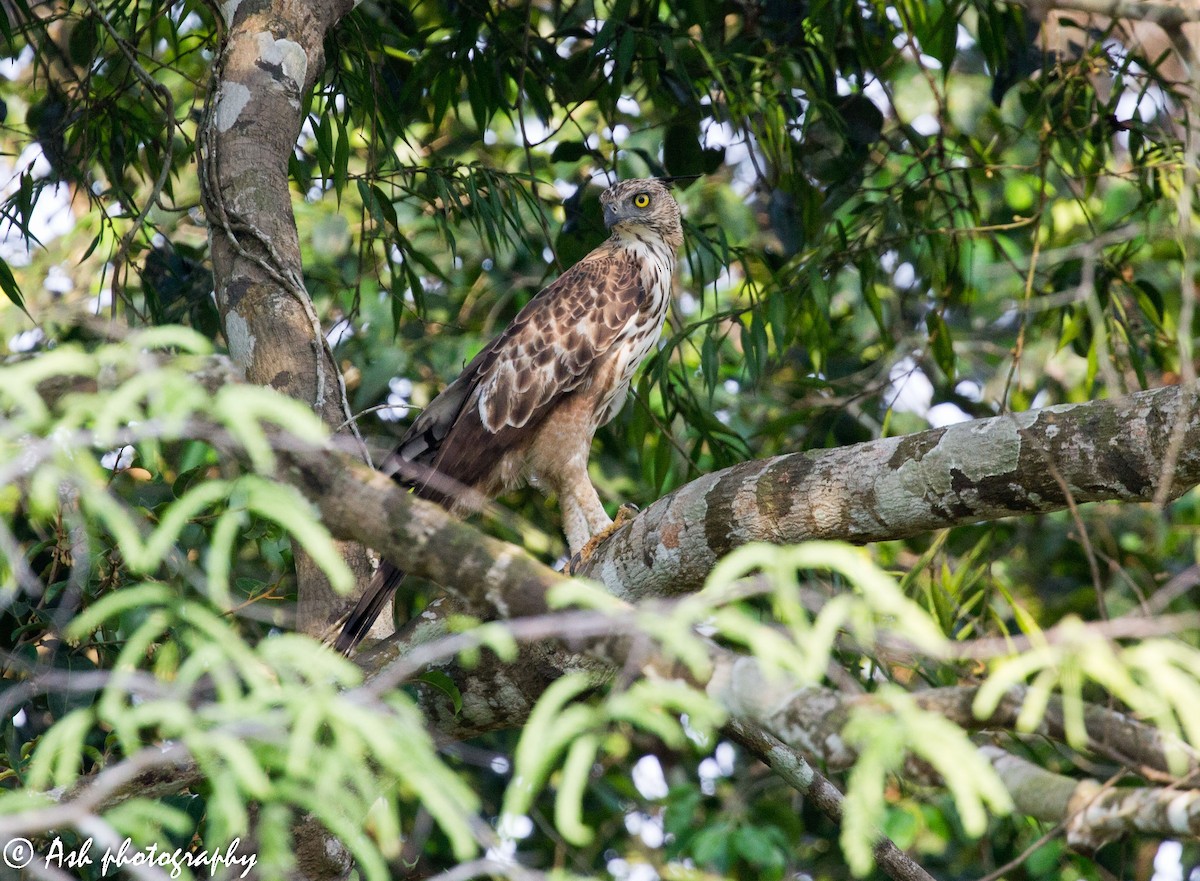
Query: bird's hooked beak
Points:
[611, 215]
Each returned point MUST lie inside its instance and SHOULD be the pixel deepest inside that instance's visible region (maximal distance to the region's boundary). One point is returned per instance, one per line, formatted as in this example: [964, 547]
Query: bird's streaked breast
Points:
[657, 265]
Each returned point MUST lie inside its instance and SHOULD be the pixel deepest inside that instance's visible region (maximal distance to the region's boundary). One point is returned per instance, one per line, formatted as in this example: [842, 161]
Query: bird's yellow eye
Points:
[641, 200]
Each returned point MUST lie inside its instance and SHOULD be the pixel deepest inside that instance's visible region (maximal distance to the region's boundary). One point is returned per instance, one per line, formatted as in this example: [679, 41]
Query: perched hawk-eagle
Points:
[526, 407]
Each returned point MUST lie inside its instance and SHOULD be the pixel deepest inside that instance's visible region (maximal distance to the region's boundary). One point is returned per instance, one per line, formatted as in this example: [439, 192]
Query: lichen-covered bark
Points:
[271, 56]
[1023, 463]
[1095, 813]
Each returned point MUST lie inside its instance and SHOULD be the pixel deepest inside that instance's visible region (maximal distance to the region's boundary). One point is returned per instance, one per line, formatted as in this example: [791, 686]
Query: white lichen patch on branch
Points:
[229, 9]
[793, 768]
[481, 707]
[974, 450]
[496, 574]
[240, 338]
[232, 101]
[1182, 812]
[495, 599]
[428, 625]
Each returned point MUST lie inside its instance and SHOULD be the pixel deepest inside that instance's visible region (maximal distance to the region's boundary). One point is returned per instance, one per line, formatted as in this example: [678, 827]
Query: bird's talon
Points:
[625, 513]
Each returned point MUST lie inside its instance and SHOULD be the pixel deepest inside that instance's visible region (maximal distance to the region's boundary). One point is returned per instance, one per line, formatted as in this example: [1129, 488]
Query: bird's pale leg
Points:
[582, 514]
[599, 527]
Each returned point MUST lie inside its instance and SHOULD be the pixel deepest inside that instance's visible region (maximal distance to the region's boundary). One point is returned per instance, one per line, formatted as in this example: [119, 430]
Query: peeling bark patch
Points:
[913, 448]
[966, 457]
[241, 340]
[282, 380]
[998, 490]
[1001, 437]
[1126, 472]
[719, 501]
[828, 511]
[233, 100]
[669, 534]
[282, 57]
[662, 544]
[775, 490]
[236, 291]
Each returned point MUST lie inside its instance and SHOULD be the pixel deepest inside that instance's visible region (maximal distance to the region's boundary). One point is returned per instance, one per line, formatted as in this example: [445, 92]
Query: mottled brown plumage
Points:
[526, 408]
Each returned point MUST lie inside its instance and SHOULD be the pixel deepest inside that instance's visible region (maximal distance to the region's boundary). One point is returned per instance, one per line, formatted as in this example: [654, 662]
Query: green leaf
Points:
[341, 158]
[11, 289]
[568, 806]
[709, 364]
[757, 847]
[445, 685]
[942, 344]
[711, 846]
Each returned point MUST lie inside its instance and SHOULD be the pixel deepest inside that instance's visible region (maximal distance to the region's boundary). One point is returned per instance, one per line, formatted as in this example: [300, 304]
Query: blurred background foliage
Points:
[908, 213]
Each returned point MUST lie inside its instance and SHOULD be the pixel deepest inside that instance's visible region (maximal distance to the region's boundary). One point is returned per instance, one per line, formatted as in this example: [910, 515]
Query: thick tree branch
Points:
[898, 487]
[1095, 814]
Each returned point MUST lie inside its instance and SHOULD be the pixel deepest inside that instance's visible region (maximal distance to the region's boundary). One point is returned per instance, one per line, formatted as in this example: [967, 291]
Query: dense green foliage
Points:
[905, 213]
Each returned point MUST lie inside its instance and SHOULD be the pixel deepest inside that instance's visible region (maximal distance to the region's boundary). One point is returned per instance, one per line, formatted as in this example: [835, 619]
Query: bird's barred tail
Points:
[382, 588]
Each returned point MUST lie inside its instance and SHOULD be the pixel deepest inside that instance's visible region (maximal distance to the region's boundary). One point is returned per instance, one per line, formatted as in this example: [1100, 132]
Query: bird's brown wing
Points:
[501, 397]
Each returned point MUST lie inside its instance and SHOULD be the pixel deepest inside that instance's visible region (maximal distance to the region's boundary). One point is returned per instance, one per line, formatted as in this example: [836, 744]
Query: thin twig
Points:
[807, 780]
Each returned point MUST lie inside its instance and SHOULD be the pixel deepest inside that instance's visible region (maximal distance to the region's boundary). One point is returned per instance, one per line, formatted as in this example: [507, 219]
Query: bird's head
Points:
[643, 204]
